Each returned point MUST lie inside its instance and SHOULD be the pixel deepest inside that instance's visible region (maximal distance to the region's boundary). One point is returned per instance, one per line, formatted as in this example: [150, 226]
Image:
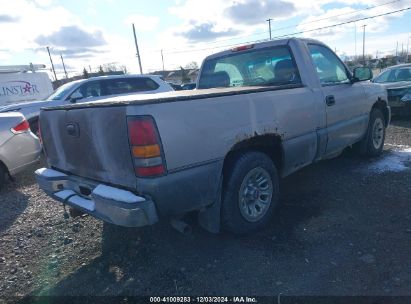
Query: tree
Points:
[85, 74]
[100, 71]
[184, 75]
[123, 68]
[192, 65]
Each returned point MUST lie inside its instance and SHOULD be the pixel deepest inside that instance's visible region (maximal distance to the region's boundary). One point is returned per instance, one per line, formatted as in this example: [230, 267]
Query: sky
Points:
[90, 33]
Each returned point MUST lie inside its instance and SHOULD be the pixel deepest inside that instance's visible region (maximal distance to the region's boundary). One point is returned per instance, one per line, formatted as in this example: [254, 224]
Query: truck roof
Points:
[264, 44]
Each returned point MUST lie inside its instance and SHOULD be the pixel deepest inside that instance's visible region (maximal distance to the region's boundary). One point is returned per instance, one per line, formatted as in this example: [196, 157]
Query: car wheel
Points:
[250, 193]
[373, 143]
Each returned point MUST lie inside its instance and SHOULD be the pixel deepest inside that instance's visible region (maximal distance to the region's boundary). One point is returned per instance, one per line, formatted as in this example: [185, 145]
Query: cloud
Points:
[69, 67]
[206, 32]
[43, 3]
[8, 19]
[142, 23]
[72, 36]
[79, 52]
[71, 53]
[256, 11]
[348, 14]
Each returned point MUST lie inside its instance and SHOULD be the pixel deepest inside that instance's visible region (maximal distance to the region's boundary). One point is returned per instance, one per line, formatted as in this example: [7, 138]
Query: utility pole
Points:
[355, 37]
[363, 44]
[138, 53]
[89, 67]
[396, 50]
[269, 26]
[52, 65]
[64, 67]
[408, 44]
[402, 49]
[162, 58]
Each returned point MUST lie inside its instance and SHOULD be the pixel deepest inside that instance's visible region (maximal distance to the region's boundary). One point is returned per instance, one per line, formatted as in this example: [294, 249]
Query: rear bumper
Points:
[113, 205]
[20, 152]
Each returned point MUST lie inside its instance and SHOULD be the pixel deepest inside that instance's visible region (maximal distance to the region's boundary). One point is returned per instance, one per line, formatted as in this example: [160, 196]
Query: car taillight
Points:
[21, 127]
[145, 146]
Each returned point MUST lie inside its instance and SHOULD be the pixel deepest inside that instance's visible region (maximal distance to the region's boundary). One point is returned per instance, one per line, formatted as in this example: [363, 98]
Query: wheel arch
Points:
[381, 104]
[269, 144]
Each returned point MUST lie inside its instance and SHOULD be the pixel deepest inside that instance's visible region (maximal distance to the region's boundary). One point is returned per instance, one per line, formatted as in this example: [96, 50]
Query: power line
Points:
[295, 25]
[339, 15]
[291, 34]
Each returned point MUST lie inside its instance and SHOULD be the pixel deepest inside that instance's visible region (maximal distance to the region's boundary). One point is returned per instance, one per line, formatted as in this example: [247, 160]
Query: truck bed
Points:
[173, 96]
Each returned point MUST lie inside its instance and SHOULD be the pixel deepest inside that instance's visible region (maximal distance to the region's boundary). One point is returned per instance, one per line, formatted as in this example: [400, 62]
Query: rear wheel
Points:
[2, 175]
[250, 193]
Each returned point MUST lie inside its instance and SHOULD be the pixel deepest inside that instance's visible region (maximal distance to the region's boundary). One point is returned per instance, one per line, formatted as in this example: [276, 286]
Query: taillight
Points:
[242, 48]
[145, 146]
[21, 127]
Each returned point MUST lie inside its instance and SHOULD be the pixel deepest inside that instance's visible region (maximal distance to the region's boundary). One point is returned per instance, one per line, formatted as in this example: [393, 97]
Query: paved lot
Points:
[343, 228]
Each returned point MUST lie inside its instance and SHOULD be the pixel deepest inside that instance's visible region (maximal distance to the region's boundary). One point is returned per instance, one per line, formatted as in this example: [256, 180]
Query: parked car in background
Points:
[176, 87]
[19, 147]
[260, 112]
[188, 86]
[91, 89]
[397, 81]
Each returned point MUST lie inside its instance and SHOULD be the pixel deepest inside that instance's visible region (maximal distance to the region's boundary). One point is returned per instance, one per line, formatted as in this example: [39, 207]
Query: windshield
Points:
[61, 91]
[394, 75]
[261, 67]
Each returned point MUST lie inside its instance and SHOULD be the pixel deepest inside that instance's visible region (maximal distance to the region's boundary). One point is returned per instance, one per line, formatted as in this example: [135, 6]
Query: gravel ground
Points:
[343, 228]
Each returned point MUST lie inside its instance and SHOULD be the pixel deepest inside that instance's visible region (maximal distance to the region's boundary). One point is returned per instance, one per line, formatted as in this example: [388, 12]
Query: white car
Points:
[19, 148]
[91, 89]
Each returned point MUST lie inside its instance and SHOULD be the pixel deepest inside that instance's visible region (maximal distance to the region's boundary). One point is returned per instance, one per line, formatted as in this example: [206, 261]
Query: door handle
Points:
[330, 100]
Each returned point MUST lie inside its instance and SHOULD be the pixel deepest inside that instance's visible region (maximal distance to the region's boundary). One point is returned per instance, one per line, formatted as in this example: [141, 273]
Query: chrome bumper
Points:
[113, 205]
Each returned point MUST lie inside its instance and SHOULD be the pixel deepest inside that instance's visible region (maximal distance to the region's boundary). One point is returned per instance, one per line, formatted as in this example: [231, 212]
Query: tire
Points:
[34, 126]
[373, 143]
[2, 175]
[247, 205]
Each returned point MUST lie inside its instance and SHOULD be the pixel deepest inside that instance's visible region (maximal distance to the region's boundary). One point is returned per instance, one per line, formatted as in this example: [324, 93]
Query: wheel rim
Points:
[255, 194]
[378, 133]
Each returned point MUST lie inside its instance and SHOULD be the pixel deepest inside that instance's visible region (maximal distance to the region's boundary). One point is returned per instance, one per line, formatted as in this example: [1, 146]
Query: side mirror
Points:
[362, 74]
[76, 96]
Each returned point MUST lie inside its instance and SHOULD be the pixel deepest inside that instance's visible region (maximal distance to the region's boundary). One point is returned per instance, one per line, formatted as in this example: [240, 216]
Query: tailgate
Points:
[89, 142]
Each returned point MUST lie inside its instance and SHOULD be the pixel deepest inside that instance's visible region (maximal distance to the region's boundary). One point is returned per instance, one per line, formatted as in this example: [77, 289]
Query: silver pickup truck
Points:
[260, 112]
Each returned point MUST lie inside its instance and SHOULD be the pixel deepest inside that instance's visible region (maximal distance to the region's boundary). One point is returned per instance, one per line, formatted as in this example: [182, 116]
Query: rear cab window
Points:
[255, 67]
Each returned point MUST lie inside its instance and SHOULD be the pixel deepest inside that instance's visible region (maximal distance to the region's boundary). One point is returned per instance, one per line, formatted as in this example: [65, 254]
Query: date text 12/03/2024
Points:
[203, 299]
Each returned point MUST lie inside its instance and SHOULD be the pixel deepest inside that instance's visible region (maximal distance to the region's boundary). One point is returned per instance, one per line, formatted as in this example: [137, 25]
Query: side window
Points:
[329, 67]
[383, 77]
[141, 84]
[89, 89]
[117, 86]
[129, 85]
